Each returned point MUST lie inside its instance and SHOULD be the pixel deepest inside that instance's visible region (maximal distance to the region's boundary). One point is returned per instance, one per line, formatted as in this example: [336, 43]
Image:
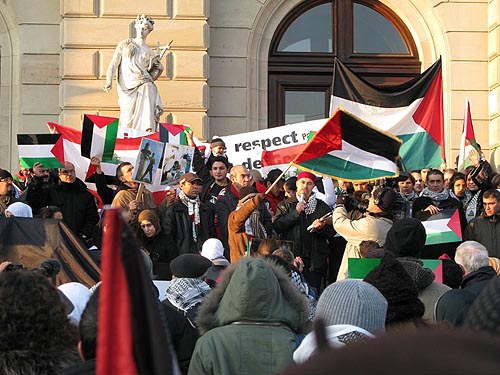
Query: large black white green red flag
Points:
[412, 111]
[350, 149]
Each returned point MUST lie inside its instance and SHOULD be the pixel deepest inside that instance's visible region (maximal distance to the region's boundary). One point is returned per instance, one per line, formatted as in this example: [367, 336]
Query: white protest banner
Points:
[246, 148]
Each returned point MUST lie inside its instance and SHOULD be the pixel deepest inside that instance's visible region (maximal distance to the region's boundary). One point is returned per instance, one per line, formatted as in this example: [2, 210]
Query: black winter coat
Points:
[486, 231]
[178, 229]
[292, 226]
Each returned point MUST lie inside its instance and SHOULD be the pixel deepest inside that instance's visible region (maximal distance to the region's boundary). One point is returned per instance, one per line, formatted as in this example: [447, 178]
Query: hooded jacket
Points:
[249, 323]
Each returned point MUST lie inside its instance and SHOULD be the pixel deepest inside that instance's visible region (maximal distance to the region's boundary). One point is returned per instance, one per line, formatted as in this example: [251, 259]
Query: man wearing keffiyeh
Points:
[294, 216]
[188, 222]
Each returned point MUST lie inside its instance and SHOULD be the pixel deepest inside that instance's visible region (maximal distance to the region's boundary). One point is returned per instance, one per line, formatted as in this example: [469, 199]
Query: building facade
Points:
[242, 65]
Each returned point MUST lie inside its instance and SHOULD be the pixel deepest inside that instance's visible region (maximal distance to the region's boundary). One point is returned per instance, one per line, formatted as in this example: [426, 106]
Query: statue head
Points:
[144, 19]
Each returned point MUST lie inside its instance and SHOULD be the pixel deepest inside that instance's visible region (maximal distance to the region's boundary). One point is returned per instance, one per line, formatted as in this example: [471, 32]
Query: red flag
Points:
[131, 338]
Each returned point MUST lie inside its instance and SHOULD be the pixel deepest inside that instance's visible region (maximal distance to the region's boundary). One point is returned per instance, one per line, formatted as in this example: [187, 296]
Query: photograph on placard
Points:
[177, 160]
[148, 160]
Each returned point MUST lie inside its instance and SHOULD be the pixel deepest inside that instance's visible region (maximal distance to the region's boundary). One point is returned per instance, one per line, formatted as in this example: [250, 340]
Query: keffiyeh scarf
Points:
[184, 293]
[435, 197]
[193, 206]
[310, 204]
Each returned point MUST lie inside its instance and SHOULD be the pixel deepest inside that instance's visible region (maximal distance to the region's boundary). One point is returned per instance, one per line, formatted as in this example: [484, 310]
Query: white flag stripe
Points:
[98, 140]
[358, 156]
[35, 151]
[392, 120]
[436, 226]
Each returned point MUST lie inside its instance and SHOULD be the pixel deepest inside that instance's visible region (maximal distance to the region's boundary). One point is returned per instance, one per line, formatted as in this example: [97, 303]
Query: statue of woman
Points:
[138, 67]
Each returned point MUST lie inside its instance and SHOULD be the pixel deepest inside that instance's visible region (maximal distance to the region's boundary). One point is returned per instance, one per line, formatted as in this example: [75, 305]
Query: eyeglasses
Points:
[6, 179]
[67, 171]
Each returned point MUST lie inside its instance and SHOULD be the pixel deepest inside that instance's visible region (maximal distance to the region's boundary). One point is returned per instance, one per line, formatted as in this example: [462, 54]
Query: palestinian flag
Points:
[125, 150]
[468, 142]
[358, 268]
[350, 149]
[412, 111]
[173, 133]
[42, 148]
[131, 337]
[99, 136]
[443, 227]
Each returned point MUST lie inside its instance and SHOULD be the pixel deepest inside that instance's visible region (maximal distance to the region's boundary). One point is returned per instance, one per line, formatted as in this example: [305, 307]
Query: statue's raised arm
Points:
[136, 67]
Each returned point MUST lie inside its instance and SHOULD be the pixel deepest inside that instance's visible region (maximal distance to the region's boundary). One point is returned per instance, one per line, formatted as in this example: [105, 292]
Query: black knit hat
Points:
[190, 266]
[391, 279]
[406, 238]
[4, 174]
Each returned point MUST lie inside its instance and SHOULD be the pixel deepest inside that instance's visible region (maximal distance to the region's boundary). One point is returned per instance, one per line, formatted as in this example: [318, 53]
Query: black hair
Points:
[220, 159]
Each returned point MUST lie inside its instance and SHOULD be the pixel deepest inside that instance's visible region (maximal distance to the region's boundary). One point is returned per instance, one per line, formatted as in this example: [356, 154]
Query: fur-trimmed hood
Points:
[41, 362]
[254, 290]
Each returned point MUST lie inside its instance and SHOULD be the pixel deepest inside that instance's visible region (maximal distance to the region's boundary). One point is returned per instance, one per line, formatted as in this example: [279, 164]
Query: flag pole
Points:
[279, 178]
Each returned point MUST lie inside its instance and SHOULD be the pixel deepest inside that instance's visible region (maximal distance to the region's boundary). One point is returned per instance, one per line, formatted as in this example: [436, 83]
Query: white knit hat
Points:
[353, 302]
[212, 249]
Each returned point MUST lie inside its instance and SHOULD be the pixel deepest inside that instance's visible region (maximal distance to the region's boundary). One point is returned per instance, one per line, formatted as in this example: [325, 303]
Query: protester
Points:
[483, 314]
[406, 240]
[187, 222]
[404, 201]
[7, 195]
[50, 212]
[18, 209]
[239, 177]
[294, 216]
[352, 311]
[126, 196]
[213, 250]
[36, 335]
[485, 229]
[70, 194]
[404, 306]
[458, 186]
[277, 193]
[79, 295]
[250, 322]
[373, 226]
[434, 199]
[153, 240]
[419, 182]
[187, 289]
[244, 223]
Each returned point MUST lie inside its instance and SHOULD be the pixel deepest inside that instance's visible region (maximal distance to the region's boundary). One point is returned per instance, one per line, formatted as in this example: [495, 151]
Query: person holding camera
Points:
[373, 226]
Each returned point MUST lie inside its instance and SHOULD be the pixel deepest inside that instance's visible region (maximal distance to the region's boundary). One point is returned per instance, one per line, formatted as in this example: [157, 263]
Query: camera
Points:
[48, 268]
[14, 267]
[359, 201]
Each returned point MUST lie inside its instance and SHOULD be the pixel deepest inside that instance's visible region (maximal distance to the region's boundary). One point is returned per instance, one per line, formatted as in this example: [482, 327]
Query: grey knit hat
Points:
[353, 302]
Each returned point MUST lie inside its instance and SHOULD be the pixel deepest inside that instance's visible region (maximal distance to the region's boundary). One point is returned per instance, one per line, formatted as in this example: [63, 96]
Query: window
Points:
[365, 35]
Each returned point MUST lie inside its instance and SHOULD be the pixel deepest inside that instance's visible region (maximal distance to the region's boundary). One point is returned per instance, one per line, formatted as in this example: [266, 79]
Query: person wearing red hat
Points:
[299, 219]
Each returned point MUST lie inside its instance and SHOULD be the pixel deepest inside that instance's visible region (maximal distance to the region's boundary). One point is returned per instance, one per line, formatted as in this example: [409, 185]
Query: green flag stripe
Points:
[443, 237]
[46, 162]
[340, 168]
[110, 140]
[428, 155]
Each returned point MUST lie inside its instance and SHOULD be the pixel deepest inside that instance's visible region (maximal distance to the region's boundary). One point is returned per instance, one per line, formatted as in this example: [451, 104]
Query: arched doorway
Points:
[365, 35]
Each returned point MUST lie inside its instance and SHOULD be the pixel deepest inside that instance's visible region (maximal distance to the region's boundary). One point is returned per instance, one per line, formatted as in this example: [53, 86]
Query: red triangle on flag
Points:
[429, 114]
[101, 121]
[58, 150]
[454, 224]
[174, 129]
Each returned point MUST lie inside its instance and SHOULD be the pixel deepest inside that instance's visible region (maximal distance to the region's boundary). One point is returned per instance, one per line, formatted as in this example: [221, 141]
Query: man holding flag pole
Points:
[346, 148]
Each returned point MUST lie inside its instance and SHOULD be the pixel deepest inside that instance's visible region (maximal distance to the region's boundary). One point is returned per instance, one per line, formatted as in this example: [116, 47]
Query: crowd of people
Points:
[254, 263]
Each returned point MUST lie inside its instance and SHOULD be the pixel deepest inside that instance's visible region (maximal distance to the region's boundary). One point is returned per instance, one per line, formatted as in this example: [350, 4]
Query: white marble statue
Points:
[137, 67]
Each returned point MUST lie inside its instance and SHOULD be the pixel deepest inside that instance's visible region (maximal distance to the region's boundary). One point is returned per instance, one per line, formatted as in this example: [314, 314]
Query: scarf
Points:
[435, 197]
[470, 205]
[310, 204]
[253, 226]
[193, 206]
[184, 293]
